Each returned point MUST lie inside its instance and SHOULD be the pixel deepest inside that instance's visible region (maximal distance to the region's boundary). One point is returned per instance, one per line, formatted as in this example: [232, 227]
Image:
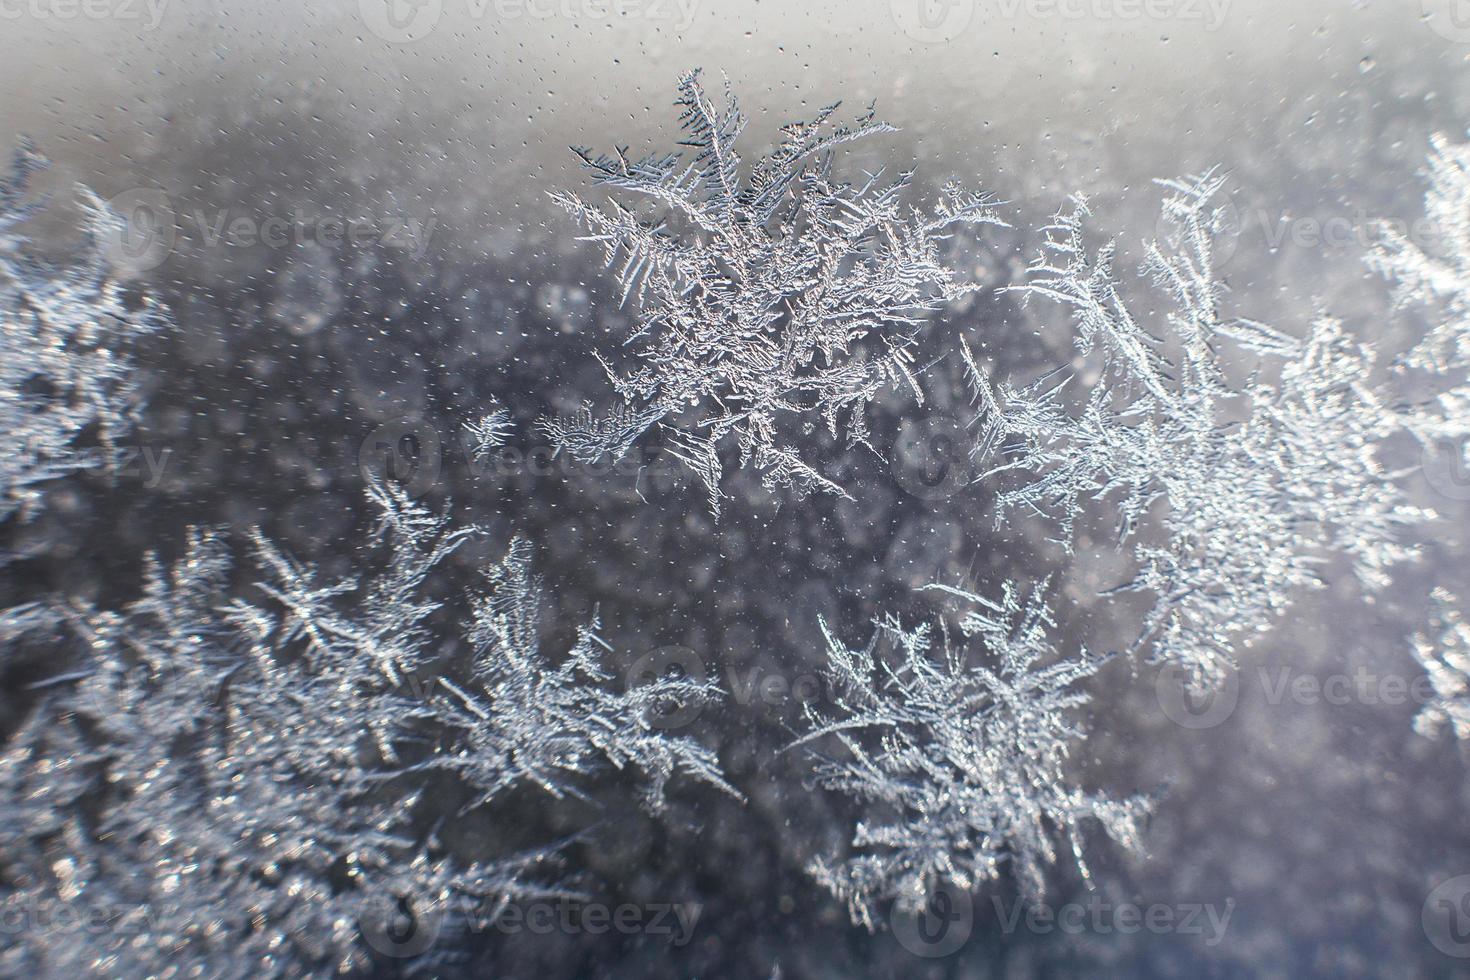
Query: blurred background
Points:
[245, 135]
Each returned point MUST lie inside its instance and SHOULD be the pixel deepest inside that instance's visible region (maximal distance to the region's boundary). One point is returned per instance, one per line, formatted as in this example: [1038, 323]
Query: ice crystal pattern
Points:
[518, 717]
[1436, 276]
[231, 787]
[958, 756]
[487, 434]
[67, 392]
[766, 299]
[1444, 652]
[1437, 273]
[1232, 493]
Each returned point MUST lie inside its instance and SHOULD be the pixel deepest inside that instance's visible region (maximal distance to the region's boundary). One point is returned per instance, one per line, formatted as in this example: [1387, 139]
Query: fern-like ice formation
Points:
[1432, 269]
[765, 299]
[958, 755]
[1437, 272]
[232, 788]
[1444, 652]
[1235, 492]
[518, 717]
[489, 432]
[66, 377]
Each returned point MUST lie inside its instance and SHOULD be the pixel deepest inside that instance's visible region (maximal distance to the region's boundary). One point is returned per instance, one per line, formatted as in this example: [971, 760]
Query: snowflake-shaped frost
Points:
[958, 758]
[767, 298]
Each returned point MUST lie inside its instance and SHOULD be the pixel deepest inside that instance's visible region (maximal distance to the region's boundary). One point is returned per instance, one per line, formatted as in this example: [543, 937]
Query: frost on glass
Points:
[67, 388]
[1436, 273]
[958, 756]
[1251, 482]
[767, 297]
[237, 786]
[489, 432]
[520, 717]
[1431, 271]
[1444, 652]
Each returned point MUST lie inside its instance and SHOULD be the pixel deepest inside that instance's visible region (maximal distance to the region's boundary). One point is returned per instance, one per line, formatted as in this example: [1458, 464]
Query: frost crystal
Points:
[1250, 484]
[520, 718]
[219, 791]
[1439, 280]
[764, 300]
[1440, 276]
[65, 375]
[1444, 652]
[489, 433]
[961, 763]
